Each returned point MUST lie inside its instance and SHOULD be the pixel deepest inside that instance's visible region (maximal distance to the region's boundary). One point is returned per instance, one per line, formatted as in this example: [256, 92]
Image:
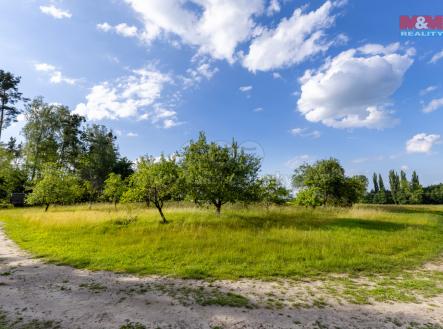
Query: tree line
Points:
[64, 160]
[403, 191]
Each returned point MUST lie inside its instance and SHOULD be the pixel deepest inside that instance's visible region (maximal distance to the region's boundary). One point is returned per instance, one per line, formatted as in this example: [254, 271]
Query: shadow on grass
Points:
[409, 210]
[288, 221]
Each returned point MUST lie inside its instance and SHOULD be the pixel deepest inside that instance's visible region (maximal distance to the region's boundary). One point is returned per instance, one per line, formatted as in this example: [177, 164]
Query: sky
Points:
[292, 81]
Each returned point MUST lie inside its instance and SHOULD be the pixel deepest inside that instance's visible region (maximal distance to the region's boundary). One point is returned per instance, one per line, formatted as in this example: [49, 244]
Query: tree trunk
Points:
[1, 120]
[148, 202]
[218, 205]
[47, 206]
[159, 207]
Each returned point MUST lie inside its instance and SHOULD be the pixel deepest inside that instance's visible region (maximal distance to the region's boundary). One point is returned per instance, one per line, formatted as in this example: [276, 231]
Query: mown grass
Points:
[250, 242]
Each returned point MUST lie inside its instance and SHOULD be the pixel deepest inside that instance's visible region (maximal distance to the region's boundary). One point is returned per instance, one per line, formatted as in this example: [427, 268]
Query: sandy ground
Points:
[33, 290]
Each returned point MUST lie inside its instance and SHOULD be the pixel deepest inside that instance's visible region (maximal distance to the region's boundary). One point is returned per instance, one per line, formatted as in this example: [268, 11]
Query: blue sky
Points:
[292, 80]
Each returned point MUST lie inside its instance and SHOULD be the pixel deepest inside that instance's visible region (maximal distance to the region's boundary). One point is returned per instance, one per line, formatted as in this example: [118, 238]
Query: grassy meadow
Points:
[251, 242]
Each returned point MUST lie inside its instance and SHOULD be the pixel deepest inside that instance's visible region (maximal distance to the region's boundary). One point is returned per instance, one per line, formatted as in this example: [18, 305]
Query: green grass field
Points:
[243, 242]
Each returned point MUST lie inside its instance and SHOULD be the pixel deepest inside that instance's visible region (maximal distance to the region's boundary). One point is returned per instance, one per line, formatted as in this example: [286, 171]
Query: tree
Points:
[328, 177]
[404, 193]
[155, 181]
[69, 144]
[52, 136]
[382, 195]
[416, 190]
[57, 186]
[123, 167]
[99, 155]
[12, 178]
[272, 191]
[394, 182]
[433, 194]
[9, 96]
[219, 174]
[354, 190]
[309, 197]
[375, 183]
[114, 188]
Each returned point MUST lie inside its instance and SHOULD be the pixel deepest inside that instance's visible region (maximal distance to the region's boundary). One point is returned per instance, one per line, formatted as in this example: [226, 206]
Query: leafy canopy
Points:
[218, 174]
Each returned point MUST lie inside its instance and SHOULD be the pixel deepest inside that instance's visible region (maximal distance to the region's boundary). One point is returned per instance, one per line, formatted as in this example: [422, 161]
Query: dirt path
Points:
[31, 290]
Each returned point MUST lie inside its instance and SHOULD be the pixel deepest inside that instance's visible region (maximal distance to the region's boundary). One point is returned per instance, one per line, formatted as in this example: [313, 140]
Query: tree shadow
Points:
[397, 209]
[314, 222]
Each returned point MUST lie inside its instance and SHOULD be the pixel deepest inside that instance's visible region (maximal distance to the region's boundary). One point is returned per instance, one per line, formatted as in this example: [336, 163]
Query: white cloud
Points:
[55, 76]
[338, 96]
[105, 27]
[428, 90]
[131, 134]
[121, 29]
[436, 57]
[305, 132]
[134, 96]
[258, 109]
[299, 160]
[433, 105]
[55, 12]
[216, 27]
[203, 70]
[292, 41]
[422, 143]
[245, 89]
[276, 75]
[273, 7]
[125, 30]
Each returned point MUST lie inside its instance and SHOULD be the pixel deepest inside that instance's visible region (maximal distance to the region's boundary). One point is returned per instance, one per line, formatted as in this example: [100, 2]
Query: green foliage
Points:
[57, 186]
[272, 191]
[155, 181]
[402, 191]
[12, 178]
[219, 174]
[52, 136]
[114, 188]
[9, 96]
[433, 194]
[416, 194]
[99, 155]
[309, 197]
[328, 177]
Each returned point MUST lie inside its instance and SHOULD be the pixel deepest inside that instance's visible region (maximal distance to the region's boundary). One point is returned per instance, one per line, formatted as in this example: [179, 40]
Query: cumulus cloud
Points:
[133, 96]
[55, 12]
[215, 27]
[55, 76]
[433, 105]
[292, 41]
[352, 90]
[436, 57]
[422, 143]
[121, 29]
